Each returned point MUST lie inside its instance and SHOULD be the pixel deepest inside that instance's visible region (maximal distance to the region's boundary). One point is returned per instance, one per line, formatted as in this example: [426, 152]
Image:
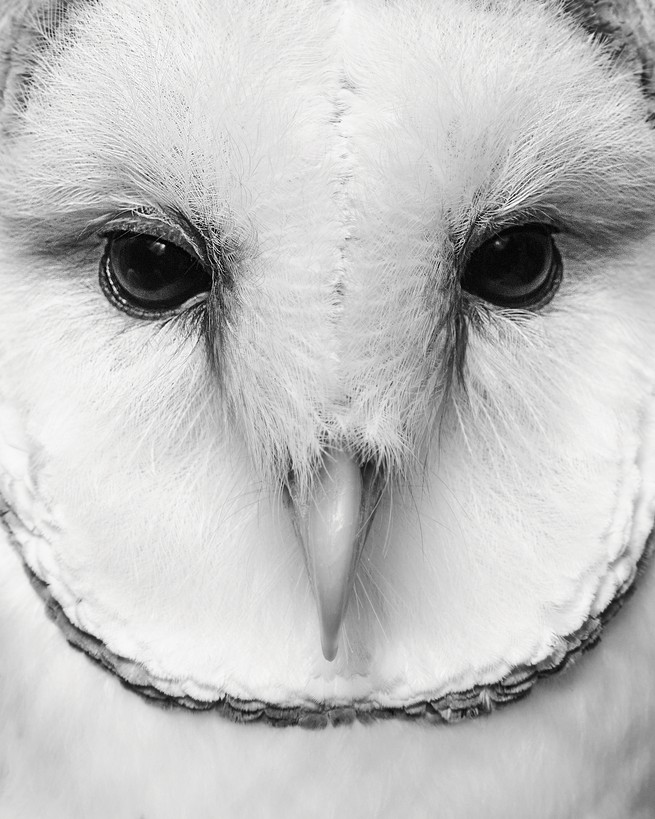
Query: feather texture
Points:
[334, 165]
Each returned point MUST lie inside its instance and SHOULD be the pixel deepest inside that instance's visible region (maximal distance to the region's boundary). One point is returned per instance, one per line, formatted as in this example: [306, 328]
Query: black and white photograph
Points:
[327, 409]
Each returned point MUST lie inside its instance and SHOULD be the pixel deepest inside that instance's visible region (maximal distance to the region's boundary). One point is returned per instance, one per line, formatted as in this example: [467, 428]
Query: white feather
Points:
[338, 158]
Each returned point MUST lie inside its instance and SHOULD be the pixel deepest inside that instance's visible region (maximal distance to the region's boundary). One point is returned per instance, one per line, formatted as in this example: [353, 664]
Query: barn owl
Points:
[326, 401]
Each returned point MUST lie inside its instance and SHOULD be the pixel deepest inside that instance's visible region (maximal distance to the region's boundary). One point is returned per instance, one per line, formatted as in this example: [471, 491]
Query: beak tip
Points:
[330, 646]
[332, 602]
[330, 653]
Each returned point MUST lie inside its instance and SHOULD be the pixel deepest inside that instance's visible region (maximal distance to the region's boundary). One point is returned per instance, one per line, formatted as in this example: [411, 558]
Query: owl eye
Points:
[520, 267]
[150, 277]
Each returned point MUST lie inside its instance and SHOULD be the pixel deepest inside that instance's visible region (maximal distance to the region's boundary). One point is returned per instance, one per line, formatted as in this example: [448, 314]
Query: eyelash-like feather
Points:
[335, 163]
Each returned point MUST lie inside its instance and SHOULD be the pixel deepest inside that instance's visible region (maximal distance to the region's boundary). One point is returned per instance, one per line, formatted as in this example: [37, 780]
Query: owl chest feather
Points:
[580, 747]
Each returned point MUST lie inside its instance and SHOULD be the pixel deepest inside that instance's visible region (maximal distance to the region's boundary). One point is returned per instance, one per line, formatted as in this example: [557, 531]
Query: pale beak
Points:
[332, 522]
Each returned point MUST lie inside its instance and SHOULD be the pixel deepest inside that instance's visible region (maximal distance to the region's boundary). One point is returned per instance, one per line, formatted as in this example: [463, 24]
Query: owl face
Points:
[326, 351]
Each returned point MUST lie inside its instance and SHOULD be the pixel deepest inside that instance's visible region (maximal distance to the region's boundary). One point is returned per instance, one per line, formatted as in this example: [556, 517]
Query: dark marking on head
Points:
[627, 30]
[27, 34]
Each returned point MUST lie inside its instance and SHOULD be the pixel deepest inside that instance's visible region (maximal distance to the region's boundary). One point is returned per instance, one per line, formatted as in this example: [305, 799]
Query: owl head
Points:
[326, 352]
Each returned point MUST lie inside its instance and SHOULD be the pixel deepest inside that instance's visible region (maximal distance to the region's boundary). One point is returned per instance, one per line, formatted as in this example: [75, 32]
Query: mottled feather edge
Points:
[449, 709]
[627, 30]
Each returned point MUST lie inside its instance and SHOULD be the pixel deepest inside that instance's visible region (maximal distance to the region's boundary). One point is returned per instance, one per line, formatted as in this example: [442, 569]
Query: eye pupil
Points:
[147, 274]
[520, 267]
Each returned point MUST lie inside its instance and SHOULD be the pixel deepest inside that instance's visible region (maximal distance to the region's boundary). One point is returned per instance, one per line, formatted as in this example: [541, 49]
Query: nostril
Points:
[375, 481]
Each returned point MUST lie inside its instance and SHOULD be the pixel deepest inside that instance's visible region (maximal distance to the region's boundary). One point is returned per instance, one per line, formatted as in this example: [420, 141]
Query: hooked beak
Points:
[333, 521]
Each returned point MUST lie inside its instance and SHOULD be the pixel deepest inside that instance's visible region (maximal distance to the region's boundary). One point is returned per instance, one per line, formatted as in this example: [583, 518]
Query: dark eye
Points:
[151, 277]
[520, 267]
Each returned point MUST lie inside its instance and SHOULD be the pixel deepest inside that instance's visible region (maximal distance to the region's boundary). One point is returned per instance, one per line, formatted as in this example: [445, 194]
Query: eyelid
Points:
[477, 237]
[157, 225]
[518, 227]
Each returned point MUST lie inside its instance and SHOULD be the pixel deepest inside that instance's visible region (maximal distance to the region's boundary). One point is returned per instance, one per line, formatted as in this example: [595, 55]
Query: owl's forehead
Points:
[451, 114]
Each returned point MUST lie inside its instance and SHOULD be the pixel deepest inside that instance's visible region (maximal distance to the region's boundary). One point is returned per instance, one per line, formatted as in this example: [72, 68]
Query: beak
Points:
[333, 522]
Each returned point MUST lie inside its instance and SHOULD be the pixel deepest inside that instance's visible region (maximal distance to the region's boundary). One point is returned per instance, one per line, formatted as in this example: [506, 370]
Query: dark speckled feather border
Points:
[451, 708]
[27, 30]
[627, 29]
